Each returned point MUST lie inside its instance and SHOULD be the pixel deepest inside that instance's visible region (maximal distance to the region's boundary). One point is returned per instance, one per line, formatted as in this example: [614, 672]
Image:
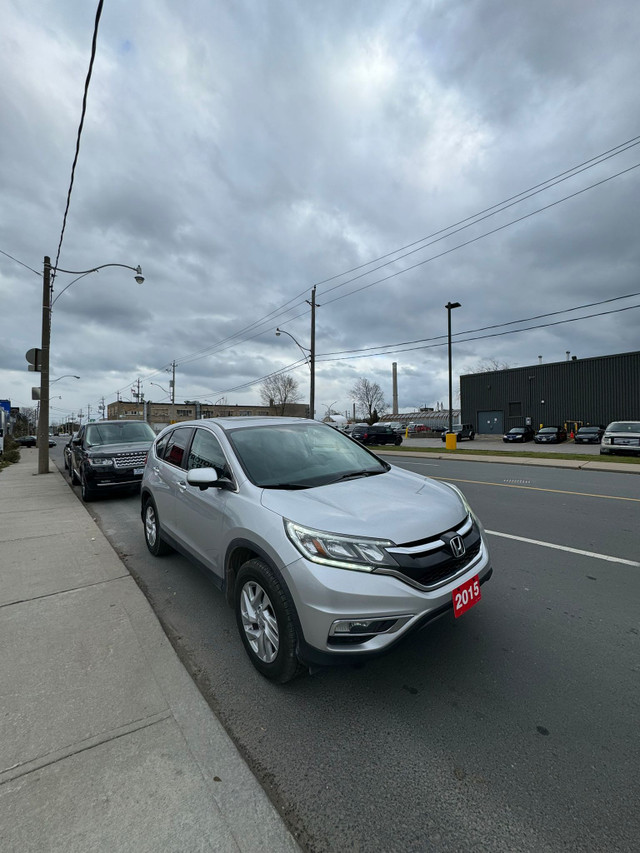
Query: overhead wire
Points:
[94, 43]
[435, 237]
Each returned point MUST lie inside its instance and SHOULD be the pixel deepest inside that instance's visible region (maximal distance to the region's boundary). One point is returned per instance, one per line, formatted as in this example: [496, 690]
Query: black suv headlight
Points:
[97, 462]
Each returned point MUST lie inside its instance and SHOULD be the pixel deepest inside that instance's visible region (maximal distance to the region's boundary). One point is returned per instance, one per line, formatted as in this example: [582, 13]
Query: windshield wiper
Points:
[289, 486]
[354, 475]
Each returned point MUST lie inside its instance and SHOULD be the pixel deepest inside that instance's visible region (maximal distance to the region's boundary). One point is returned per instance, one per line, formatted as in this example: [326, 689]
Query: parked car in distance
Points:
[108, 455]
[621, 437]
[589, 435]
[461, 431]
[327, 553]
[522, 433]
[551, 434]
[26, 440]
[375, 434]
[416, 429]
[396, 426]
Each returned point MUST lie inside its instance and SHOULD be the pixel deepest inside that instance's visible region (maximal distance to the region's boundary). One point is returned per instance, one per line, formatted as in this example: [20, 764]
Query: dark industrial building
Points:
[574, 392]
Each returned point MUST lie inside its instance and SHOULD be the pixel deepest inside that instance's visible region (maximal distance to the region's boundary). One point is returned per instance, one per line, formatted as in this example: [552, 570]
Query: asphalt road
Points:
[513, 728]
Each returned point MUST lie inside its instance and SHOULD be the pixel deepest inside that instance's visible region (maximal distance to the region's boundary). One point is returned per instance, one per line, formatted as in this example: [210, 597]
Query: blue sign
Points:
[6, 405]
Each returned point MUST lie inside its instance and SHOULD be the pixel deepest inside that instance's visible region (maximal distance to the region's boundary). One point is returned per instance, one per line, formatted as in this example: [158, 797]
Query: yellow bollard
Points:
[451, 441]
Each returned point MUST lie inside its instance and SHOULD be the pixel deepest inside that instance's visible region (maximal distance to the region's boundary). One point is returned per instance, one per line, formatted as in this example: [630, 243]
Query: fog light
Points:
[370, 627]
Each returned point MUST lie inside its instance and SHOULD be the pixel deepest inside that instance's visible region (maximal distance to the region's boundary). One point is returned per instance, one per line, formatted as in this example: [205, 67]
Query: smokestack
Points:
[568, 354]
[394, 371]
[539, 359]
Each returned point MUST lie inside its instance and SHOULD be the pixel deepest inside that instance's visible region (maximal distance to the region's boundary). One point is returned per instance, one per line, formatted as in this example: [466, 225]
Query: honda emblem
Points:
[456, 544]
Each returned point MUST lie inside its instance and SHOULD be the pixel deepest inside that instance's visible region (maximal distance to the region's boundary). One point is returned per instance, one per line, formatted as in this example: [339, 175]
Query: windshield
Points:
[549, 429]
[301, 455]
[124, 433]
[629, 426]
[517, 430]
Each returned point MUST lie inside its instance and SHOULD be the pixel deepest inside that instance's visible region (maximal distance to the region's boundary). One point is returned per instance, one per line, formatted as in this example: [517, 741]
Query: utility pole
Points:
[43, 418]
[173, 383]
[312, 357]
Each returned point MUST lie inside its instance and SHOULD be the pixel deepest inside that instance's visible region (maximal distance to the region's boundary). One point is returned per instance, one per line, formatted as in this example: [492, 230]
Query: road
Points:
[513, 728]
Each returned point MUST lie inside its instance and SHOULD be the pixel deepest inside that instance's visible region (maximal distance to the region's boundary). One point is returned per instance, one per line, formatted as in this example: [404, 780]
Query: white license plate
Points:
[138, 472]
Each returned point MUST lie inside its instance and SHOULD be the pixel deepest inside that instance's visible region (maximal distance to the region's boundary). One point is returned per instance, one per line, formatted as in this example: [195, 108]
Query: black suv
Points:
[462, 431]
[375, 434]
[109, 455]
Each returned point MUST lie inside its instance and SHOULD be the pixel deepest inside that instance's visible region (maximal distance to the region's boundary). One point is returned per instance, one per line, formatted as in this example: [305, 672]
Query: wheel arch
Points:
[238, 553]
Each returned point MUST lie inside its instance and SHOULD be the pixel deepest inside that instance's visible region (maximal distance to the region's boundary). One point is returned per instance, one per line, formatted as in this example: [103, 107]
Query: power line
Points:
[39, 274]
[481, 337]
[84, 110]
[485, 328]
[434, 238]
[482, 236]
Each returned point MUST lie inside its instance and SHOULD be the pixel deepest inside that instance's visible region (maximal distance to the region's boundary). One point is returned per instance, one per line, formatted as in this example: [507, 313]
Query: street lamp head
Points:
[277, 333]
[451, 305]
[139, 277]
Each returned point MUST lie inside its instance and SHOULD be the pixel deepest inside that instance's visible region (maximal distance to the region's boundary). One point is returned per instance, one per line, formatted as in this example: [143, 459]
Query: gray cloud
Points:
[243, 151]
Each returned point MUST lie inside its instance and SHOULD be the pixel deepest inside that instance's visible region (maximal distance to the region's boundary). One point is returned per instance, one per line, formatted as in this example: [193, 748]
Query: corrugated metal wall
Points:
[588, 390]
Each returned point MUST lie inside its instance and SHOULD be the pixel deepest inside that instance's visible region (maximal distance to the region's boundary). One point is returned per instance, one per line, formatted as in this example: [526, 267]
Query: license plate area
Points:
[138, 472]
[465, 596]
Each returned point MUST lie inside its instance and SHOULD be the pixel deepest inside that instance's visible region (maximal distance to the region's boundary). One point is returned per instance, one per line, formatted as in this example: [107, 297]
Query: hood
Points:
[397, 505]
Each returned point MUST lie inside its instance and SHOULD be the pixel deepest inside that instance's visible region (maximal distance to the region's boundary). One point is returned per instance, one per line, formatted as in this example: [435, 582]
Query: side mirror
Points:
[203, 478]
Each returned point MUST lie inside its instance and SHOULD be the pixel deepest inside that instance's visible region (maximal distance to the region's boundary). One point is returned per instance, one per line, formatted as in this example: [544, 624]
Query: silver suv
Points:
[621, 437]
[326, 552]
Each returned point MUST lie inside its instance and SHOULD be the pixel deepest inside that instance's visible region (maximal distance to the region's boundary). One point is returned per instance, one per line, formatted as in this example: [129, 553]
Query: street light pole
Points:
[47, 305]
[450, 306]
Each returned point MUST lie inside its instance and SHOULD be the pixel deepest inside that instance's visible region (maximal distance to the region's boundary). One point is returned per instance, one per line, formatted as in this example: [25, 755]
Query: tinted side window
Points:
[178, 441]
[161, 445]
[206, 452]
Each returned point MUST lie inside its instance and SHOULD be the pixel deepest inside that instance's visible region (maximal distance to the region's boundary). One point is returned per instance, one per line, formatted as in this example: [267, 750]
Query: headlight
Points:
[344, 552]
[606, 439]
[100, 463]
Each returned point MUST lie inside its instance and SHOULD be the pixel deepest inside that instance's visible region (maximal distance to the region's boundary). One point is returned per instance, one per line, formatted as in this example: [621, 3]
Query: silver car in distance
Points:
[327, 553]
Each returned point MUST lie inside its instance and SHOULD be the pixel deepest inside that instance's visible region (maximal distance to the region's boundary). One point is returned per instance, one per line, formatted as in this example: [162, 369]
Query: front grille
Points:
[430, 562]
[135, 459]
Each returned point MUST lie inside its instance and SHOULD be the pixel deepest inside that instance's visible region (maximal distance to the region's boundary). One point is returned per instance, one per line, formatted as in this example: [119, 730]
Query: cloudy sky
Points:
[399, 155]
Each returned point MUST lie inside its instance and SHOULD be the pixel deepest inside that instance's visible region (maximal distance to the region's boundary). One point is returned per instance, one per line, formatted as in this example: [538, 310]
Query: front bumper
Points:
[324, 595]
[110, 479]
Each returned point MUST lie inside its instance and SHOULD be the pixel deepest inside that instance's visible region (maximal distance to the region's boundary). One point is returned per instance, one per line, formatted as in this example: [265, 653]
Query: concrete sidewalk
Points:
[105, 742]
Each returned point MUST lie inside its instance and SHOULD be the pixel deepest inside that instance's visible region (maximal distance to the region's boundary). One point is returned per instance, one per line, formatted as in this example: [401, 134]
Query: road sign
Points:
[34, 357]
[35, 393]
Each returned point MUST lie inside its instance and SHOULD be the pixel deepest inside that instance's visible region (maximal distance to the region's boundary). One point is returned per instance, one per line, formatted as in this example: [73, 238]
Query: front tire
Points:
[152, 531]
[265, 620]
[86, 492]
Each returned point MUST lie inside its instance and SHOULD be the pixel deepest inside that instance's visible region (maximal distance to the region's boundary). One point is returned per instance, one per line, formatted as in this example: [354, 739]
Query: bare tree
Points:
[369, 400]
[279, 390]
[489, 365]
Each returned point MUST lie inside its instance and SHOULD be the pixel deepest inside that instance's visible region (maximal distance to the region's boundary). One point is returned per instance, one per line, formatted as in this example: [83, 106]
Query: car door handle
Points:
[156, 469]
[182, 485]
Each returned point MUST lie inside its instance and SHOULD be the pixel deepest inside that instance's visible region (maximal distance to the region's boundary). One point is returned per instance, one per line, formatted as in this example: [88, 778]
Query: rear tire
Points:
[265, 620]
[152, 531]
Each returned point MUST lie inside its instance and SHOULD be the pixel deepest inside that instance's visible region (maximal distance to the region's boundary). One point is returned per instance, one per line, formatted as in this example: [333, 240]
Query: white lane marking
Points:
[565, 548]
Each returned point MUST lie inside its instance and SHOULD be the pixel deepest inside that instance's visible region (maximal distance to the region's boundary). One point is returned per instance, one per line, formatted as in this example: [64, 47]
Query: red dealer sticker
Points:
[466, 596]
